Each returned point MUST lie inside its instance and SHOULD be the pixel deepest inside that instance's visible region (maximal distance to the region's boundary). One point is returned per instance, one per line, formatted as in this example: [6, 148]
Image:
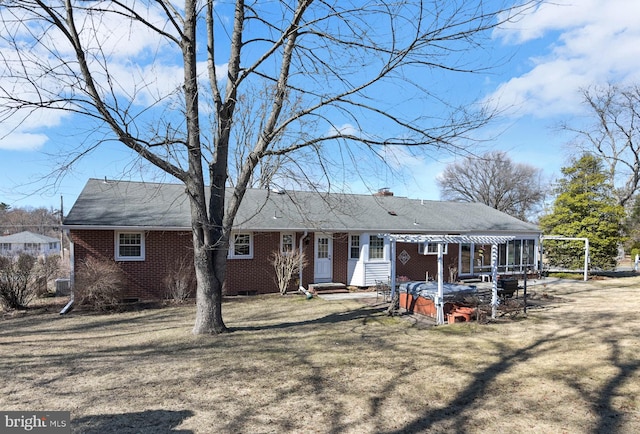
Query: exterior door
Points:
[323, 252]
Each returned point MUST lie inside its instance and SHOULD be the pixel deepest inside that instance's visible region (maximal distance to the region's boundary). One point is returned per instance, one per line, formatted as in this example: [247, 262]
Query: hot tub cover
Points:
[451, 291]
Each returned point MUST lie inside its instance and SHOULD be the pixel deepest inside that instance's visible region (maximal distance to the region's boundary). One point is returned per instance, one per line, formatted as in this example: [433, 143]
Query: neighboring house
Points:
[30, 243]
[145, 228]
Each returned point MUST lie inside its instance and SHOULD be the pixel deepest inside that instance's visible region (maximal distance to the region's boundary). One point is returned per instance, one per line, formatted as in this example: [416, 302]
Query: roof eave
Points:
[125, 228]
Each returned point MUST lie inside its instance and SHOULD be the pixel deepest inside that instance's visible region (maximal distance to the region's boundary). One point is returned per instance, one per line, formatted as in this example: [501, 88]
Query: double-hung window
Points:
[354, 246]
[376, 247]
[129, 246]
[287, 242]
[241, 246]
[32, 247]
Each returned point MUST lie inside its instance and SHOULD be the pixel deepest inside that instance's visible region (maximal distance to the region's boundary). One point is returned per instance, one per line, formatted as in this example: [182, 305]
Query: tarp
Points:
[450, 291]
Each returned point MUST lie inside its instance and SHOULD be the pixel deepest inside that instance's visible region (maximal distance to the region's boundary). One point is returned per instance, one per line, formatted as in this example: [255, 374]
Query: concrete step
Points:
[328, 288]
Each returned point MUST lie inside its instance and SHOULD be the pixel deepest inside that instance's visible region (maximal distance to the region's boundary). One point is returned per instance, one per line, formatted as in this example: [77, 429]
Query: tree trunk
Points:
[207, 237]
[209, 293]
[210, 262]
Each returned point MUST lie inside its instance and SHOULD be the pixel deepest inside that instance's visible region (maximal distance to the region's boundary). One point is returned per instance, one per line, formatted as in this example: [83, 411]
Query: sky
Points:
[553, 52]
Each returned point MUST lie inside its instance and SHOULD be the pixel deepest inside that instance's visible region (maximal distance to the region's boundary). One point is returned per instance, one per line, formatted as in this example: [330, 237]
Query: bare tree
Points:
[285, 265]
[39, 220]
[493, 179]
[321, 68]
[613, 134]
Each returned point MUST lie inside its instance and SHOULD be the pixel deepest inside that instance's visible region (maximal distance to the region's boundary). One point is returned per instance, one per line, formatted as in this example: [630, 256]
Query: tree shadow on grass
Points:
[456, 412]
[363, 314]
[609, 418]
[148, 421]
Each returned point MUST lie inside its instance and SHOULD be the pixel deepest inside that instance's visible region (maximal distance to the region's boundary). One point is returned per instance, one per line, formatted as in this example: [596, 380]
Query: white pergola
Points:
[585, 272]
[441, 241]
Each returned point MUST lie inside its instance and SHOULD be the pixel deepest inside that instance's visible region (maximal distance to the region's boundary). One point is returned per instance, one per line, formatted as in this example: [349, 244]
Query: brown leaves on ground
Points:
[297, 365]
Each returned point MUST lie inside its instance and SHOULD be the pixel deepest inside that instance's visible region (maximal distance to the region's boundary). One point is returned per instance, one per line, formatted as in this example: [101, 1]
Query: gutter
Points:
[69, 227]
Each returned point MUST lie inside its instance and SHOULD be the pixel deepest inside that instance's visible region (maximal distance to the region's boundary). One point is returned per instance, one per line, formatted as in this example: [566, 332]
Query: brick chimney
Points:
[383, 192]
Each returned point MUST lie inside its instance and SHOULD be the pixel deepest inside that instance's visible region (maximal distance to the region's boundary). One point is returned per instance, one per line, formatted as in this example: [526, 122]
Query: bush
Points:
[45, 269]
[180, 280]
[286, 264]
[16, 289]
[99, 284]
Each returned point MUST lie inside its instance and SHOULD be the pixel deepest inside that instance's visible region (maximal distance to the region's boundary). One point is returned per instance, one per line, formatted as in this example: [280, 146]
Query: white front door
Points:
[323, 253]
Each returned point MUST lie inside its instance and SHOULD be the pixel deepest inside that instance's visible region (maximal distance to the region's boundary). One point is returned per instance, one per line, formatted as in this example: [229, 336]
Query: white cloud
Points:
[583, 43]
[142, 66]
[24, 133]
[345, 129]
[402, 157]
[18, 141]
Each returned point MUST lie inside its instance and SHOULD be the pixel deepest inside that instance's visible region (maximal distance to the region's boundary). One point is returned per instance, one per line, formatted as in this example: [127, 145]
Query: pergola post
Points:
[392, 278]
[586, 259]
[494, 280]
[440, 301]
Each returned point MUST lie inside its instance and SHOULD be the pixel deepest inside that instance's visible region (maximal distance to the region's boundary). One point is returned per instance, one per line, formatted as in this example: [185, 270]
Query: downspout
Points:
[304, 235]
[72, 273]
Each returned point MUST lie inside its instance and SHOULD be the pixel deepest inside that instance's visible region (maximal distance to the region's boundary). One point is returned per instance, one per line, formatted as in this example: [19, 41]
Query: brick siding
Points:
[418, 265]
[244, 276]
[163, 249]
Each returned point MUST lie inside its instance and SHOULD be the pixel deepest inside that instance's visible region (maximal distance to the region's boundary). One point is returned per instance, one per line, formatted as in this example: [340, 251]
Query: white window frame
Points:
[371, 258]
[32, 247]
[282, 243]
[351, 246]
[232, 247]
[431, 249]
[119, 257]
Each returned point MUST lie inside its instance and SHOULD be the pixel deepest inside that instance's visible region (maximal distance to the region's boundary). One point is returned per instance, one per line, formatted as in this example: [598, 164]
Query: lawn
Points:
[305, 366]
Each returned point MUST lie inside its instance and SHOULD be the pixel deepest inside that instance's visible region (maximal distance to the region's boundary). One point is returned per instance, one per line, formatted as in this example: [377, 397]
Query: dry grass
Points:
[296, 365]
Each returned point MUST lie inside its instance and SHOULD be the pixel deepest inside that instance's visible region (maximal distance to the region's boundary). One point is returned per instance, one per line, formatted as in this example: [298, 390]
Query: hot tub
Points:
[419, 297]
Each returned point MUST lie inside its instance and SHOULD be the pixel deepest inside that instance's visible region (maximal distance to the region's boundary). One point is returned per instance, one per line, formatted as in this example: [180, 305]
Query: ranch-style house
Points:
[145, 228]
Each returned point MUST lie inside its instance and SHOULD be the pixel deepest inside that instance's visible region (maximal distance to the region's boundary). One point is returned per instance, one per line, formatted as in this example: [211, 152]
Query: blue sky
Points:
[553, 52]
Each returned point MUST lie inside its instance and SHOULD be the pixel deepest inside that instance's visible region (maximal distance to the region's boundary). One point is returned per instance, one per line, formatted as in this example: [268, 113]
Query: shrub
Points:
[285, 265]
[180, 280]
[16, 289]
[99, 284]
[45, 269]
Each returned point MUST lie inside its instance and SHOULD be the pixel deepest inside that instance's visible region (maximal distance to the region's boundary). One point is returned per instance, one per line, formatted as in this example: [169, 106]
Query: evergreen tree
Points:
[585, 207]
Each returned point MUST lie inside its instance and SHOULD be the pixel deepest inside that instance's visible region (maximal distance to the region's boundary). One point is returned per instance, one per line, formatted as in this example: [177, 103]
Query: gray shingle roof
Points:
[152, 205]
[27, 238]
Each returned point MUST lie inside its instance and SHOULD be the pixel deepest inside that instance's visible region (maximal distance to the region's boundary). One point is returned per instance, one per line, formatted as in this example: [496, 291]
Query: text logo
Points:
[37, 422]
